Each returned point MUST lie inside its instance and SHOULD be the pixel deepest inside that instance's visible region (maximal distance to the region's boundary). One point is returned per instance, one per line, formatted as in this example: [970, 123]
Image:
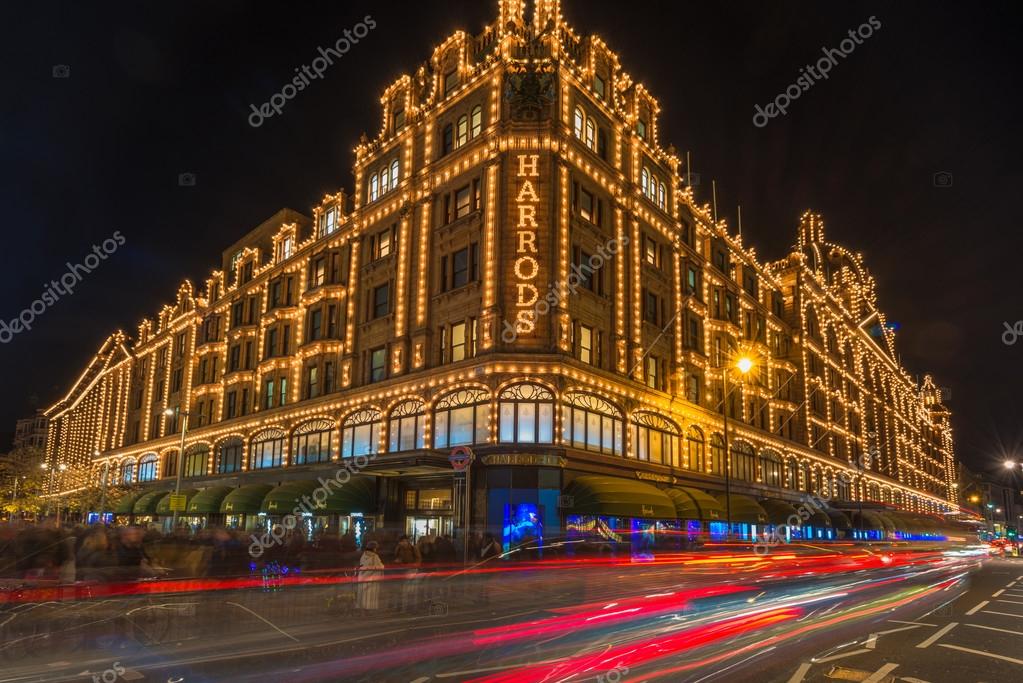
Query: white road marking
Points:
[881, 673]
[997, 593]
[1011, 602]
[918, 623]
[1004, 614]
[978, 607]
[992, 628]
[909, 679]
[930, 641]
[871, 641]
[265, 621]
[797, 677]
[982, 653]
[1010, 585]
[834, 657]
[421, 679]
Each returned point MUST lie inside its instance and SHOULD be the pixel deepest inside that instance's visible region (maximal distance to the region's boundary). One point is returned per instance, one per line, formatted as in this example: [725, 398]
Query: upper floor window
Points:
[285, 248]
[641, 128]
[378, 364]
[591, 423]
[598, 86]
[128, 472]
[311, 442]
[196, 459]
[360, 434]
[267, 450]
[329, 221]
[653, 188]
[586, 129]
[450, 81]
[383, 182]
[460, 267]
[380, 304]
[148, 466]
[406, 429]
[229, 458]
[655, 439]
[527, 414]
[461, 417]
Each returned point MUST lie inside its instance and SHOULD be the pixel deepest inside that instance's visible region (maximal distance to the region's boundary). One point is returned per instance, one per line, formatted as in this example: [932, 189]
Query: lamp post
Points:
[14, 497]
[181, 460]
[103, 495]
[49, 499]
[743, 365]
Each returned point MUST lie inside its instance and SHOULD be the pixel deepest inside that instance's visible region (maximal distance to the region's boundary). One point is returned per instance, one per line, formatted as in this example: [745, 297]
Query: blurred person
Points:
[371, 569]
[425, 548]
[407, 556]
[130, 556]
[490, 548]
[444, 550]
[95, 558]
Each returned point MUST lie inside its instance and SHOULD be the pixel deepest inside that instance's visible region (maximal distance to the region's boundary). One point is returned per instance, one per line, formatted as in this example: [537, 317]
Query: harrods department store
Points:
[521, 268]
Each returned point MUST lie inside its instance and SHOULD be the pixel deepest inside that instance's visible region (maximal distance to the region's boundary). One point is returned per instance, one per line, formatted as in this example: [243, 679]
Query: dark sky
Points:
[157, 90]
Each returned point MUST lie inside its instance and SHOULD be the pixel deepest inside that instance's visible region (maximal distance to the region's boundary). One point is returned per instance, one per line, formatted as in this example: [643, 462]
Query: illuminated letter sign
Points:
[526, 267]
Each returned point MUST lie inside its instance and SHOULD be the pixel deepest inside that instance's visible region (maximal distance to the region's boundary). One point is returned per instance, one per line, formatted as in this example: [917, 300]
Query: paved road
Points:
[976, 634]
[790, 618]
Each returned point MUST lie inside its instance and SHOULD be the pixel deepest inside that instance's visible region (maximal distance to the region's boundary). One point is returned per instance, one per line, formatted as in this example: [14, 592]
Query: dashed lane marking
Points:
[981, 653]
[797, 677]
[997, 593]
[845, 654]
[881, 673]
[977, 608]
[1011, 602]
[1004, 614]
[918, 623]
[871, 641]
[945, 629]
[992, 628]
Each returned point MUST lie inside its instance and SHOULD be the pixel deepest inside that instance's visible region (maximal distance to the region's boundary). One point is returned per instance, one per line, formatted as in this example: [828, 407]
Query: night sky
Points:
[155, 91]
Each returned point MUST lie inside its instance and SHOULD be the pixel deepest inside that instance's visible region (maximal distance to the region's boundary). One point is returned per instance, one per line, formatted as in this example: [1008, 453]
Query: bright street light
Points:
[1009, 464]
[744, 365]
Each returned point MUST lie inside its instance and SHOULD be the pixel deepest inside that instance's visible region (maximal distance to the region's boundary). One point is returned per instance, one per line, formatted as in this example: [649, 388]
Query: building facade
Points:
[520, 268]
[30, 432]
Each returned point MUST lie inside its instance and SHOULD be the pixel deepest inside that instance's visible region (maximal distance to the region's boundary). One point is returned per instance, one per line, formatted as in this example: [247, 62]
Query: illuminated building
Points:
[520, 267]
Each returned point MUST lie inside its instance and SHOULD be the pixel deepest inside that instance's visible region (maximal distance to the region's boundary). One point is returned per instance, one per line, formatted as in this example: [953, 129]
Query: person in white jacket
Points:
[371, 570]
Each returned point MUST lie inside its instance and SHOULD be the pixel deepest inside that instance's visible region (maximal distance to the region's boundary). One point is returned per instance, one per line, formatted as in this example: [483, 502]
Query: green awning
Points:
[146, 504]
[780, 512]
[868, 522]
[618, 497]
[898, 522]
[126, 505]
[693, 503]
[163, 507]
[286, 497]
[245, 500]
[819, 520]
[744, 509]
[356, 495]
[839, 520]
[207, 501]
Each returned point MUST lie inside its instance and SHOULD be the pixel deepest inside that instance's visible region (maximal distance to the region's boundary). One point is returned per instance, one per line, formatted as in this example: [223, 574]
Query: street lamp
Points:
[1009, 465]
[49, 500]
[181, 460]
[103, 495]
[743, 365]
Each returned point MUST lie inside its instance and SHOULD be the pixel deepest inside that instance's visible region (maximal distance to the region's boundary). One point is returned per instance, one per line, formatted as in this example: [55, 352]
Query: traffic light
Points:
[1011, 532]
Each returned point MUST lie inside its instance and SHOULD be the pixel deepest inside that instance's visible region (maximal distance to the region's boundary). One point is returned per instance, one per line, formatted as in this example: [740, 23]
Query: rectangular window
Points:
[245, 401]
[316, 324]
[275, 294]
[652, 376]
[378, 364]
[332, 328]
[383, 243]
[248, 355]
[318, 272]
[284, 391]
[232, 404]
[381, 300]
[651, 253]
[328, 377]
[311, 382]
[450, 81]
[268, 395]
[693, 282]
[586, 344]
[457, 342]
[285, 338]
[460, 268]
[176, 380]
[463, 202]
[649, 306]
[641, 128]
[586, 205]
[271, 343]
[598, 86]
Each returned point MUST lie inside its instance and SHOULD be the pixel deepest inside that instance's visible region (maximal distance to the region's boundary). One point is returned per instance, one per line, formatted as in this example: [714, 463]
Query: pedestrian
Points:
[408, 556]
[491, 548]
[371, 569]
[444, 550]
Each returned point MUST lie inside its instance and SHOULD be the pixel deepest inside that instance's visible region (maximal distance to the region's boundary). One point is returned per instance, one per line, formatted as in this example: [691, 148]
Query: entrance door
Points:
[417, 527]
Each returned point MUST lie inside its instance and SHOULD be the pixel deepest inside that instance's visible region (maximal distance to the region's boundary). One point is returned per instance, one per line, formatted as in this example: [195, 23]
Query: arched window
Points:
[744, 462]
[463, 131]
[128, 472]
[792, 474]
[266, 449]
[310, 442]
[655, 439]
[374, 187]
[148, 466]
[591, 134]
[229, 456]
[406, 429]
[527, 414]
[770, 466]
[462, 417]
[842, 488]
[477, 121]
[361, 433]
[694, 452]
[644, 181]
[385, 184]
[394, 174]
[196, 460]
[579, 122]
[661, 194]
[716, 461]
[591, 423]
[804, 476]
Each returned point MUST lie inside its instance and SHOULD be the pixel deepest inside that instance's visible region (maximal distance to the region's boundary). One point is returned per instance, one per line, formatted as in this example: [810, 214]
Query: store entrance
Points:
[417, 527]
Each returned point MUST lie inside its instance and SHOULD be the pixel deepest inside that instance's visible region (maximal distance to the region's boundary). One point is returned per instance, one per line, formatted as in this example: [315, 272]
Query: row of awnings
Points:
[355, 495]
[595, 495]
